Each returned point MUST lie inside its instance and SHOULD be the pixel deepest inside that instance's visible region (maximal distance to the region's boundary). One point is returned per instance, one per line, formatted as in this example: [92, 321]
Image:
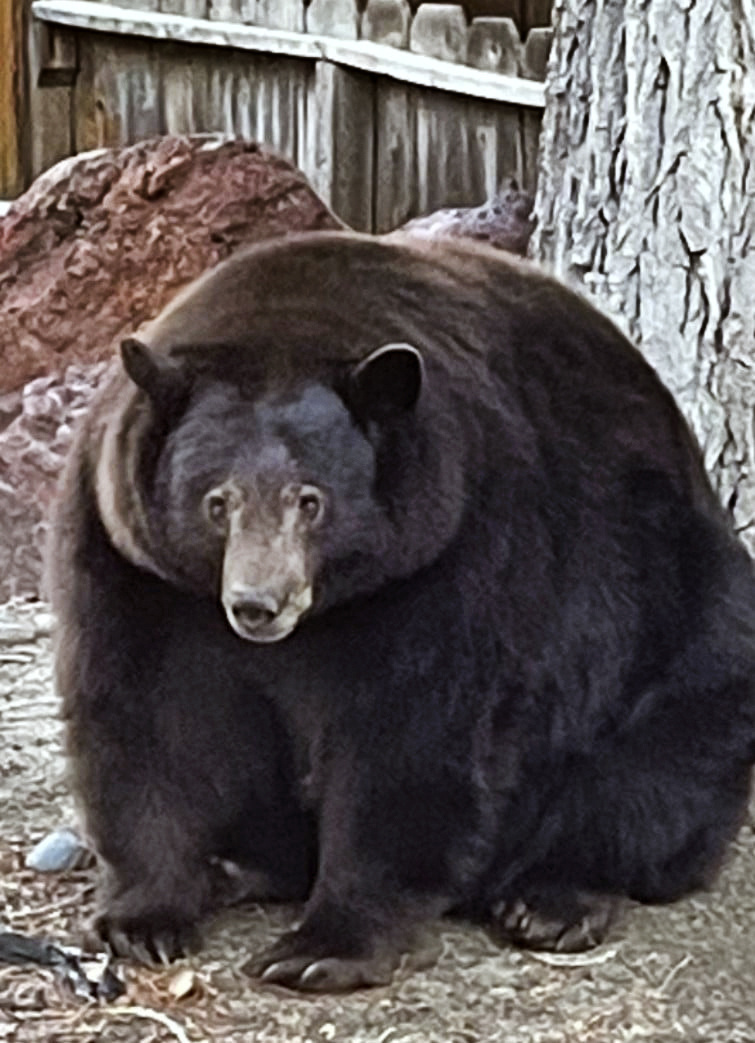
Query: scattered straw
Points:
[673, 972]
[574, 959]
[153, 1015]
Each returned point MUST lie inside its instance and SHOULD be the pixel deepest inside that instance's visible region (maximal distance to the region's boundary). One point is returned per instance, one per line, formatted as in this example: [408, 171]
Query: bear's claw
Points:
[148, 940]
[282, 964]
[568, 923]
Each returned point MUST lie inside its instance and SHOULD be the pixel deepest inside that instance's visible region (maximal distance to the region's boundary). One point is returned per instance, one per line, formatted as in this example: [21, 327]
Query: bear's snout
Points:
[263, 615]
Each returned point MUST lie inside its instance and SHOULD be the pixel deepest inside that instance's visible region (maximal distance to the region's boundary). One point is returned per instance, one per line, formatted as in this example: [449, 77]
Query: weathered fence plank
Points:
[224, 10]
[333, 18]
[496, 149]
[340, 154]
[275, 14]
[443, 160]
[53, 64]
[396, 156]
[494, 44]
[184, 78]
[117, 94]
[531, 125]
[262, 98]
[189, 8]
[387, 22]
[440, 31]
[536, 50]
[271, 14]
[466, 149]
[283, 86]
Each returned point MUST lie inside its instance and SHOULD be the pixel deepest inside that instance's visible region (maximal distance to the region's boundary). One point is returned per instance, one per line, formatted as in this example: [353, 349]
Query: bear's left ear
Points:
[387, 382]
[160, 377]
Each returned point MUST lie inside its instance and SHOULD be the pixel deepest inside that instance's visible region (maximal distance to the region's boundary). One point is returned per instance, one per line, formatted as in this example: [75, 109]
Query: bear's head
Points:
[288, 498]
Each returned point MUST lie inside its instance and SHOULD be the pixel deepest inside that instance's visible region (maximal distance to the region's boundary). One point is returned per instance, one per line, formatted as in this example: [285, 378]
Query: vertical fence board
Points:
[220, 96]
[340, 154]
[395, 158]
[535, 54]
[224, 10]
[497, 147]
[184, 84]
[141, 74]
[494, 44]
[101, 105]
[50, 107]
[189, 8]
[531, 125]
[262, 98]
[466, 149]
[441, 150]
[84, 109]
[333, 18]
[281, 109]
[117, 95]
[50, 111]
[275, 14]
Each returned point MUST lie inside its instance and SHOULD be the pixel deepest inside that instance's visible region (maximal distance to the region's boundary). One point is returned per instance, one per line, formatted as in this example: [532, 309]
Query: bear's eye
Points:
[311, 504]
[216, 508]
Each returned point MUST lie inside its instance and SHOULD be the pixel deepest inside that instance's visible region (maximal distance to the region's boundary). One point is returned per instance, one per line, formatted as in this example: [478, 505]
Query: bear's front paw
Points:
[300, 961]
[156, 937]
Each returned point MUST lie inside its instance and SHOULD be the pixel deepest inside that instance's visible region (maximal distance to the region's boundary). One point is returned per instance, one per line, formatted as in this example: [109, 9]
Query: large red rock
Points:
[97, 246]
[33, 448]
[102, 241]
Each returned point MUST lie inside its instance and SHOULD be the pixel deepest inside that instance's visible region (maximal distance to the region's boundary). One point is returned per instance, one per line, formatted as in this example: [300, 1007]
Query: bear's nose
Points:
[253, 609]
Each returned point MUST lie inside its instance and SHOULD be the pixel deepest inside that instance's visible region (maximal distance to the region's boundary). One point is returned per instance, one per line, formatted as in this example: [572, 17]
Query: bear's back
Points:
[497, 334]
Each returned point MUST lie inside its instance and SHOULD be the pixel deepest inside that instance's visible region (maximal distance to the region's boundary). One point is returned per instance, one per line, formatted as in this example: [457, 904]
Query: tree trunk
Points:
[14, 129]
[646, 200]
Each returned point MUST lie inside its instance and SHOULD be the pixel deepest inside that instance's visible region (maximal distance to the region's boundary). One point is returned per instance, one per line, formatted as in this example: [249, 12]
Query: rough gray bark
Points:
[646, 200]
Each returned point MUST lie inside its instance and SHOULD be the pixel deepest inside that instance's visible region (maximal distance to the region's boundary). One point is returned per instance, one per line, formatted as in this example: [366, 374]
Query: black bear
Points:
[388, 577]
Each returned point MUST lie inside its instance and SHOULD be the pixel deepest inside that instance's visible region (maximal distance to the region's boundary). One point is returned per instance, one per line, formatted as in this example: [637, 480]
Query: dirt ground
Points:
[678, 973]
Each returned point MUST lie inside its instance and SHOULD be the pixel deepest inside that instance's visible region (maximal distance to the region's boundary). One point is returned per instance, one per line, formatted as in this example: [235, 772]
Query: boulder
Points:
[32, 453]
[505, 221]
[102, 241]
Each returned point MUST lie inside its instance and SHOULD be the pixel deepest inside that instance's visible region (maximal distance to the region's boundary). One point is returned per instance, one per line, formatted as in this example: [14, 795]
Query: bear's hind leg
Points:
[646, 816]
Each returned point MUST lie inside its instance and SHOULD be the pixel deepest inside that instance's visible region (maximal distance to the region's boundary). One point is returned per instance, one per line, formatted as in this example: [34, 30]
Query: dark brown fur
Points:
[525, 687]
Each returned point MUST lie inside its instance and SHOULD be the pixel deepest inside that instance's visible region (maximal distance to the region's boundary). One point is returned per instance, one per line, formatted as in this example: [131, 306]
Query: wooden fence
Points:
[391, 111]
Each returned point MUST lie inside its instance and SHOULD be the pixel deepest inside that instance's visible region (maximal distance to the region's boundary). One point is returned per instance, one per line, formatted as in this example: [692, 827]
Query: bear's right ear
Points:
[158, 376]
[387, 382]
